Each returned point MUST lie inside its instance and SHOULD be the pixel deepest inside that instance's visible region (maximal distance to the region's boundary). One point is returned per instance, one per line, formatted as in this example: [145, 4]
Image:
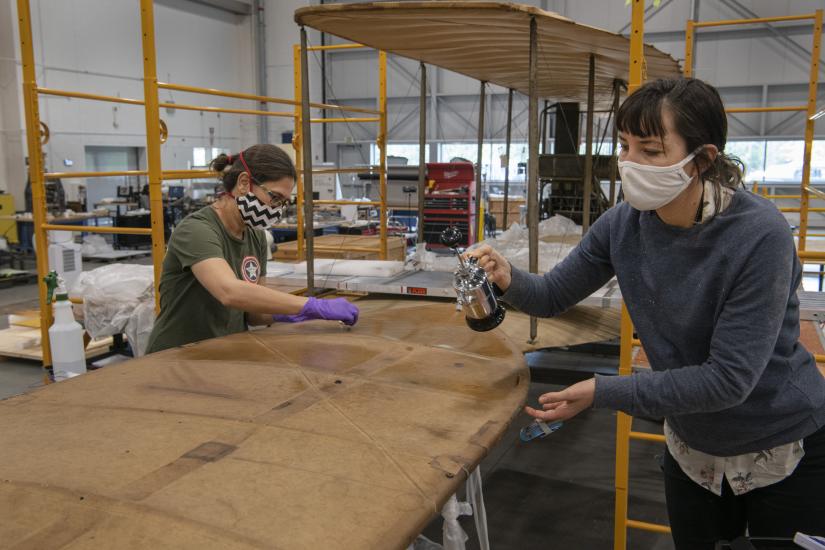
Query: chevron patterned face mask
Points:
[256, 214]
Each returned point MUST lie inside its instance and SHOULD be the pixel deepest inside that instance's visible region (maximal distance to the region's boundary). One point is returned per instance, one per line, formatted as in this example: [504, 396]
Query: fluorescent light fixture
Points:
[820, 113]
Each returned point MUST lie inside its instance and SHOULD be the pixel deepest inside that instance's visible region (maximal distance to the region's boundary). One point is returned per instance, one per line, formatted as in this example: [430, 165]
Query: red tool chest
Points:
[449, 201]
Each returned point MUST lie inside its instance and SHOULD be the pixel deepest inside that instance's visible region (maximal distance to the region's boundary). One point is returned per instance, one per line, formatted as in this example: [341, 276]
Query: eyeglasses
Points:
[276, 200]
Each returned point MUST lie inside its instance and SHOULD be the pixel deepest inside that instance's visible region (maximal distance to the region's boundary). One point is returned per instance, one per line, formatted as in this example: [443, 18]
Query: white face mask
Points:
[649, 187]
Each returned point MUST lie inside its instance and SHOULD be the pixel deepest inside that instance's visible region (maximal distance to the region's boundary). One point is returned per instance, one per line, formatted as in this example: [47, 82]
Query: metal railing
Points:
[156, 135]
[624, 422]
[31, 95]
[299, 141]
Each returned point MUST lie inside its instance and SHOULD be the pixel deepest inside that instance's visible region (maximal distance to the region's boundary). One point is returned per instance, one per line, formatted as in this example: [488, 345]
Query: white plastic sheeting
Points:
[118, 298]
[94, 245]
[513, 244]
[454, 536]
[475, 497]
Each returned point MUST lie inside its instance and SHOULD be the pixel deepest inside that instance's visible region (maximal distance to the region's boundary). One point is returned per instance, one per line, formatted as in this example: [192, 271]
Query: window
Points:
[492, 169]
[818, 161]
[467, 150]
[752, 155]
[199, 156]
[599, 148]
[518, 155]
[783, 161]
[202, 156]
[778, 161]
[408, 151]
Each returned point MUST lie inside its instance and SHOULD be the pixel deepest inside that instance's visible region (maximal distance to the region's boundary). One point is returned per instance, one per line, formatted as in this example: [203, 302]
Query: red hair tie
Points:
[229, 159]
[248, 171]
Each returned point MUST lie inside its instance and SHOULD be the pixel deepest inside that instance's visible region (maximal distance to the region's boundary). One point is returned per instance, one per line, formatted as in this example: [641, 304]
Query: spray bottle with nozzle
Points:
[65, 334]
[475, 294]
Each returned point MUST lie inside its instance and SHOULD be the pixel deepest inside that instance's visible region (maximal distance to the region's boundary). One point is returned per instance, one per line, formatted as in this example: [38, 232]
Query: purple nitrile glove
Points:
[336, 309]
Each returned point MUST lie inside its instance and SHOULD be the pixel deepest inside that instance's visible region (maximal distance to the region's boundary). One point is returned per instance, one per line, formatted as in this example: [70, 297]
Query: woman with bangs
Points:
[709, 274]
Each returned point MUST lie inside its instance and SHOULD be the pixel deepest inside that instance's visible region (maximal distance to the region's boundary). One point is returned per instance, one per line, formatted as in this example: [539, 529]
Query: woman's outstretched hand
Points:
[565, 404]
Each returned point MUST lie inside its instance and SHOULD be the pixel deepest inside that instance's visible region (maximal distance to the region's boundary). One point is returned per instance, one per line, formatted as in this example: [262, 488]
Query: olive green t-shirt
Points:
[188, 312]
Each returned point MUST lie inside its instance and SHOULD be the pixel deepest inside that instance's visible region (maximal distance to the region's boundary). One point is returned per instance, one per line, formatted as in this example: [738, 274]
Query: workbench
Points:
[601, 325]
[412, 282]
[336, 246]
[116, 255]
[117, 204]
[25, 224]
[283, 232]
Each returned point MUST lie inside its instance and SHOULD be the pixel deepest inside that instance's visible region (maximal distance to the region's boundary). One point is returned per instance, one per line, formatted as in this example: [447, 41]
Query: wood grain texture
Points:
[335, 246]
[297, 436]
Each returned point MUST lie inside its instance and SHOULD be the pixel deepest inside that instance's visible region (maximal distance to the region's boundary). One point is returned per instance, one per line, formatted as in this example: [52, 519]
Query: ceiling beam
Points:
[804, 53]
[748, 127]
[784, 122]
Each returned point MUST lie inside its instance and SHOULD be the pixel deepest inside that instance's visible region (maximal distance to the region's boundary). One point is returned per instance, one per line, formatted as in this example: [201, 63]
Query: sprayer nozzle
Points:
[451, 236]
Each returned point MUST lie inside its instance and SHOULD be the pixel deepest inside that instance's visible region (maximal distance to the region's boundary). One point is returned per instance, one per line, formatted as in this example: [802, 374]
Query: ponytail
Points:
[723, 172]
[221, 162]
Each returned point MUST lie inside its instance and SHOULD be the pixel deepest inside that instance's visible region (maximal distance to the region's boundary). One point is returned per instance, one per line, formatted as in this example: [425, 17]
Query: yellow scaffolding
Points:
[31, 94]
[156, 135]
[381, 141]
[624, 422]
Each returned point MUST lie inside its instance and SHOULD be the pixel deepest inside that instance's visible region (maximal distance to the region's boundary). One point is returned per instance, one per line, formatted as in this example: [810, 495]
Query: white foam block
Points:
[354, 268]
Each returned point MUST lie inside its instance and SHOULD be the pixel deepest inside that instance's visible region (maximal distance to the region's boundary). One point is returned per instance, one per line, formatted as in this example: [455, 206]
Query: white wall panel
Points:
[95, 47]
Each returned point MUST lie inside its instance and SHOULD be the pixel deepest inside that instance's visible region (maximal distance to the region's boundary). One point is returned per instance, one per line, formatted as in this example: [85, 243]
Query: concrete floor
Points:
[19, 376]
[558, 492]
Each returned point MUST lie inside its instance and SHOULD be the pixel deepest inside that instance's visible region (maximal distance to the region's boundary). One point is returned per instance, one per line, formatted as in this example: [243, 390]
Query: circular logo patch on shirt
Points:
[250, 269]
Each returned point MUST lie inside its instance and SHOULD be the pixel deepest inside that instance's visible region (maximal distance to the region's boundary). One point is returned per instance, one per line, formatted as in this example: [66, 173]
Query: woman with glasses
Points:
[216, 259]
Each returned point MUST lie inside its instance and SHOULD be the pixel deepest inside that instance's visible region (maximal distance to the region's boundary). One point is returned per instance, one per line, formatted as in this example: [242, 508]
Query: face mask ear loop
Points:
[699, 173]
[248, 171]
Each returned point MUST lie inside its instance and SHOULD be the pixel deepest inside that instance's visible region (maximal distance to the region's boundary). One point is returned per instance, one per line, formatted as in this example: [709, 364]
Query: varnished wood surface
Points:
[297, 436]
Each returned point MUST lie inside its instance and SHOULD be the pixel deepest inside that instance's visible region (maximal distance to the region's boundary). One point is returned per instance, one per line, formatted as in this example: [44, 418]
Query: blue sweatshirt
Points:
[716, 309]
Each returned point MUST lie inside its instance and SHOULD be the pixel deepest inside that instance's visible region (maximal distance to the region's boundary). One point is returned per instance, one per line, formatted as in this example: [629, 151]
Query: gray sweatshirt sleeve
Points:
[586, 269]
[742, 343]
